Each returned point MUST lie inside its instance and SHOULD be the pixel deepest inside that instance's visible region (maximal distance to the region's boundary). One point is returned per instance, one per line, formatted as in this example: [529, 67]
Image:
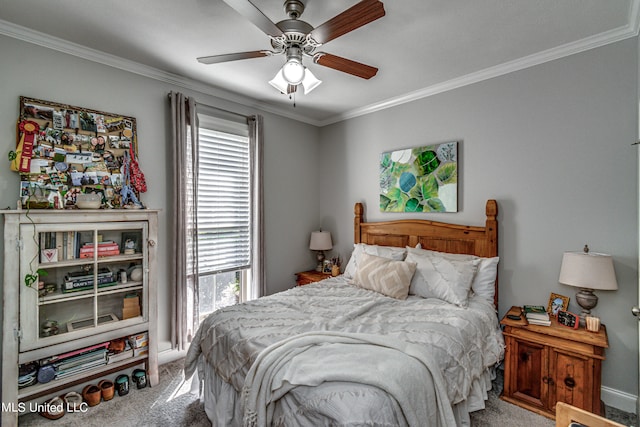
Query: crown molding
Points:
[612, 36]
[41, 39]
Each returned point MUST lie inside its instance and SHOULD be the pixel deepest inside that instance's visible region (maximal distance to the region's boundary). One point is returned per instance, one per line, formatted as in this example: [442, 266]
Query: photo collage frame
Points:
[63, 151]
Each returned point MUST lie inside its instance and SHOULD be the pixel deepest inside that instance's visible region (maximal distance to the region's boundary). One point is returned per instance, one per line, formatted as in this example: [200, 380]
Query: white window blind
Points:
[224, 201]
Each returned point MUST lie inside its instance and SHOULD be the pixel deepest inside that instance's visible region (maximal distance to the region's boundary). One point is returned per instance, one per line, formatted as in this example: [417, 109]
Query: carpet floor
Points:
[173, 403]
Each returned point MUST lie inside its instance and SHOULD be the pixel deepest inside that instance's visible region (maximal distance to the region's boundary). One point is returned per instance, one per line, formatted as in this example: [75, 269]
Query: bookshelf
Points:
[66, 292]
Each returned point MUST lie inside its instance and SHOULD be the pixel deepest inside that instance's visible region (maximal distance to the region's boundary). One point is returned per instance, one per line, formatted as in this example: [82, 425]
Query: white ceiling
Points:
[421, 47]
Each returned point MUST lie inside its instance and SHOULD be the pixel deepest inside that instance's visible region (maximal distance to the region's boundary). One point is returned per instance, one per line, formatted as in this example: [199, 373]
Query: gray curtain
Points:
[256, 141]
[184, 128]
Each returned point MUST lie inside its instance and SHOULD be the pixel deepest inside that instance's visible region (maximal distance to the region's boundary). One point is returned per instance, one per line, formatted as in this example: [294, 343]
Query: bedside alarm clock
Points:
[568, 319]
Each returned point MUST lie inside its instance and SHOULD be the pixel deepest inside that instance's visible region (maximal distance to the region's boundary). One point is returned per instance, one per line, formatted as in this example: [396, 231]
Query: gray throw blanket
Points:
[401, 369]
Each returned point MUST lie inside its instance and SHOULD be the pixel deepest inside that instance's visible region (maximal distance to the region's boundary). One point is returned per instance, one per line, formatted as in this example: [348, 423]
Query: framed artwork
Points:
[62, 150]
[557, 303]
[420, 179]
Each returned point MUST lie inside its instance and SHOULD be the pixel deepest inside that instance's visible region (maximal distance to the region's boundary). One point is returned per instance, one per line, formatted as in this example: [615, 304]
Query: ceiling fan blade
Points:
[355, 17]
[345, 65]
[215, 59]
[255, 15]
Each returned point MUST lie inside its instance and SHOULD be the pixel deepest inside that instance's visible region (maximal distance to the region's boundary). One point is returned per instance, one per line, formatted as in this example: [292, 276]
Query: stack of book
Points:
[77, 361]
[107, 248]
[140, 344]
[80, 280]
[536, 315]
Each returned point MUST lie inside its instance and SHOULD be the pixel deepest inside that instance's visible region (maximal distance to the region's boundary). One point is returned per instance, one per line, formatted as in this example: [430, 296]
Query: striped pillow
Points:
[385, 276]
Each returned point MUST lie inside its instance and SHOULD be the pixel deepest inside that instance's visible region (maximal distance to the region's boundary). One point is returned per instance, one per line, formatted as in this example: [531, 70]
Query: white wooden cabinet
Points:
[85, 301]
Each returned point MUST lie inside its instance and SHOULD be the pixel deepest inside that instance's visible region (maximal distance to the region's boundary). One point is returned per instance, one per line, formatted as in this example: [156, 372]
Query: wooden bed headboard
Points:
[432, 235]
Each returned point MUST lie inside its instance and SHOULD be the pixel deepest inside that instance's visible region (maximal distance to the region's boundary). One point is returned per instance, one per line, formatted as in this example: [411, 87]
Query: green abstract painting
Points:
[420, 179]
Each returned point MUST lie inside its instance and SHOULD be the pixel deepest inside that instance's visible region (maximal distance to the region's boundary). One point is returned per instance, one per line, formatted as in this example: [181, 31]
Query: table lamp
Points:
[320, 241]
[587, 271]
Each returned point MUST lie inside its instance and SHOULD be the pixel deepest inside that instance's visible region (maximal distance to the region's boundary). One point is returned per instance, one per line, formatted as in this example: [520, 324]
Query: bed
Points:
[408, 335]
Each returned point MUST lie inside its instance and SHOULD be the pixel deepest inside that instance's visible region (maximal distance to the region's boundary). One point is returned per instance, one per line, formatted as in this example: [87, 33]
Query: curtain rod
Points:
[218, 108]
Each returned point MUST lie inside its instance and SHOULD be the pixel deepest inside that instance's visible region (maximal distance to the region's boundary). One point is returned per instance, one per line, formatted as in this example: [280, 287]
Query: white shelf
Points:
[60, 296]
[84, 261]
[30, 392]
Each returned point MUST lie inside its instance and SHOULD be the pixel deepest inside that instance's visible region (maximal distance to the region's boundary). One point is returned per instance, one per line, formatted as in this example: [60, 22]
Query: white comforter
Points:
[462, 343]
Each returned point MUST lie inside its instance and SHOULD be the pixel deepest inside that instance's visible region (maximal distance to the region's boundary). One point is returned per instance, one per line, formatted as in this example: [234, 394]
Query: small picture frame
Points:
[131, 243]
[326, 266]
[557, 303]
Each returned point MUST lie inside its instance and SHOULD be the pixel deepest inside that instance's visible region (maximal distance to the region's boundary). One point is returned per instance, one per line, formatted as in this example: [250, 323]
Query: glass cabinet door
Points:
[79, 279]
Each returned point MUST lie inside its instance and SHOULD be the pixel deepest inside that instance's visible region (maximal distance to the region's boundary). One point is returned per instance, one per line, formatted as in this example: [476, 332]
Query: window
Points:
[224, 215]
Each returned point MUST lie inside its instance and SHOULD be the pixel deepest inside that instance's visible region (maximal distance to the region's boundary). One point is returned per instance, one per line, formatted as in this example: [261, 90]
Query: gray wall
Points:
[552, 144]
[291, 205]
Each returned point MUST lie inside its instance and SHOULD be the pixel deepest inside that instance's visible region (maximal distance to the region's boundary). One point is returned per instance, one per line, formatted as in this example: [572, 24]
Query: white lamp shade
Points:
[279, 82]
[310, 82]
[320, 241]
[588, 270]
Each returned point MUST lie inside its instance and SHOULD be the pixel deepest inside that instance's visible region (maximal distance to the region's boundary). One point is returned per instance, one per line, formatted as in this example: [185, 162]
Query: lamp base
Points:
[587, 300]
[320, 258]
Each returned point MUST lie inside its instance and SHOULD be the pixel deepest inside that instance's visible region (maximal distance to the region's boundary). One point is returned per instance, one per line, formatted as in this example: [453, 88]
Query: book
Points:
[533, 309]
[79, 369]
[64, 245]
[70, 245]
[59, 243]
[81, 359]
[100, 253]
[537, 312]
[77, 352]
[539, 322]
[537, 316]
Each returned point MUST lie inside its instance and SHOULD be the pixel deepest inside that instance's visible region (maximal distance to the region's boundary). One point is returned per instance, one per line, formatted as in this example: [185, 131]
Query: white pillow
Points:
[442, 278]
[385, 276]
[390, 252]
[484, 281]
[484, 284]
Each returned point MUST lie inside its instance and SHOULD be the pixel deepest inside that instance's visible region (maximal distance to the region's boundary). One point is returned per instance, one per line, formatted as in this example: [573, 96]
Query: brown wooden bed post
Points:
[491, 227]
[358, 219]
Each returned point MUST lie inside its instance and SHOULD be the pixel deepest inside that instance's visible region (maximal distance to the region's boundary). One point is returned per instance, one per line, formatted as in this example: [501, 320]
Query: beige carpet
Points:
[171, 403]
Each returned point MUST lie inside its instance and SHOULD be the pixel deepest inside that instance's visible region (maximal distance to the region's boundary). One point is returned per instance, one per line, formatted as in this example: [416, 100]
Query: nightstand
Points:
[548, 364]
[311, 276]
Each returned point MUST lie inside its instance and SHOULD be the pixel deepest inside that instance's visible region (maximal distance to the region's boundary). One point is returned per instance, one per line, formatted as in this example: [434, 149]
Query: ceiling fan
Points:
[296, 38]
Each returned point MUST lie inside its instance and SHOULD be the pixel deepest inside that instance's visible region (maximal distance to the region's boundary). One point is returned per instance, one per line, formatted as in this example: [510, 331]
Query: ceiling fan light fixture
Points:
[293, 71]
[279, 82]
[310, 82]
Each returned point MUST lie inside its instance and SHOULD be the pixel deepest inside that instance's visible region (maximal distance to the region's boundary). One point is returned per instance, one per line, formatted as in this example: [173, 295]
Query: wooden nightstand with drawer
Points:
[549, 364]
[311, 276]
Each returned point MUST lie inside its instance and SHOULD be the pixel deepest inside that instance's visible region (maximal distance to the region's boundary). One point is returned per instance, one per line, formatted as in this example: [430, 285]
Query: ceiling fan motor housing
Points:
[295, 33]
